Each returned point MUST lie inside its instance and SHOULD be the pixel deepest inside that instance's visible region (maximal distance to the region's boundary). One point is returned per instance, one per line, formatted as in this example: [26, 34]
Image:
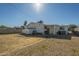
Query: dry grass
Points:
[47, 46]
[10, 42]
[50, 47]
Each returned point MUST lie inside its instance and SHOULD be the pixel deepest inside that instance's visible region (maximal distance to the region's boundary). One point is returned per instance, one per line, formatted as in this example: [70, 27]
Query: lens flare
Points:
[38, 6]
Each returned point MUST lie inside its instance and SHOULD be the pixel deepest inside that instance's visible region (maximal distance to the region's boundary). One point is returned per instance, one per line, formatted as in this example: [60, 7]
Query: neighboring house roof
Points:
[51, 25]
[34, 25]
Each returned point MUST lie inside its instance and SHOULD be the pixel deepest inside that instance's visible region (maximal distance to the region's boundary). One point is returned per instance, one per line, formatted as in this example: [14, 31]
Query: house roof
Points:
[51, 26]
[35, 23]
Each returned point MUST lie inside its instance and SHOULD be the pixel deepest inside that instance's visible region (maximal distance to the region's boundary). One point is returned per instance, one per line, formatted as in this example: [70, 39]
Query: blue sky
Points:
[51, 13]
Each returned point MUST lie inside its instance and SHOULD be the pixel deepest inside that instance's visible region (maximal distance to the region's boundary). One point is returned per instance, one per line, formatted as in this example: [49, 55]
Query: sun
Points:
[38, 6]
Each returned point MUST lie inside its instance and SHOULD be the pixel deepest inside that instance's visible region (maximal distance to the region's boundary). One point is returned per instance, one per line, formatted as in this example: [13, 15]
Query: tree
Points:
[25, 23]
[40, 21]
[3, 26]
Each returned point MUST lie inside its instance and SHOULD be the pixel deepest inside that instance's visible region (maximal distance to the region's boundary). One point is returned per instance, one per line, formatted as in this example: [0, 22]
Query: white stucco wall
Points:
[27, 31]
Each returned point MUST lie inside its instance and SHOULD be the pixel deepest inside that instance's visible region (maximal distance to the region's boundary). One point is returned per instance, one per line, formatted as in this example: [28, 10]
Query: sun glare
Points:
[38, 6]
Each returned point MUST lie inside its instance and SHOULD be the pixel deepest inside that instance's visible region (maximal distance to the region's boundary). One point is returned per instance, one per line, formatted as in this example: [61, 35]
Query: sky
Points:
[50, 13]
